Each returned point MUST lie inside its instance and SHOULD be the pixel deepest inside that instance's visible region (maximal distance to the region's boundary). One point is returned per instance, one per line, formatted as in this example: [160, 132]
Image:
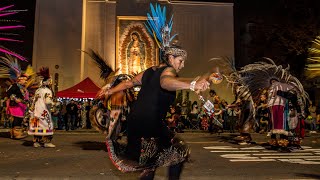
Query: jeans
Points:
[71, 120]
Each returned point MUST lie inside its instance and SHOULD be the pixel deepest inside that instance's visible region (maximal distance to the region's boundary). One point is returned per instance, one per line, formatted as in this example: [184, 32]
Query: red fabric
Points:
[85, 89]
[302, 128]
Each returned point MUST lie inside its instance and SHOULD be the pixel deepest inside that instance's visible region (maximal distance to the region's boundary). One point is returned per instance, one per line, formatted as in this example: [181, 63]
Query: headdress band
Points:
[176, 52]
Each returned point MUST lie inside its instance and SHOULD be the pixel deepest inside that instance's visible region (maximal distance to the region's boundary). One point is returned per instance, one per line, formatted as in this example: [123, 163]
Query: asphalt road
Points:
[82, 155]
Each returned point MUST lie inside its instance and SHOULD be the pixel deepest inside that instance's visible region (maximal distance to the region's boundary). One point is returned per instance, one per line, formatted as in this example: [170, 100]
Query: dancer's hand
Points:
[201, 85]
[215, 75]
[100, 94]
[103, 91]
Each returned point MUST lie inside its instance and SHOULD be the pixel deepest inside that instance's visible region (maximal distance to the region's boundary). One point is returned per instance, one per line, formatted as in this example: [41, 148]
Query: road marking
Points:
[235, 151]
[284, 157]
[280, 154]
[313, 159]
[221, 147]
[235, 155]
[204, 142]
[243, 158]
[307, 155]
[306, 147]
[255, 147]
[252, 160]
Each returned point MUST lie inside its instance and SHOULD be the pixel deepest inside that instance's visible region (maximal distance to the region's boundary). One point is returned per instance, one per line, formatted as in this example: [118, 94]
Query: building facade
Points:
[63, 28]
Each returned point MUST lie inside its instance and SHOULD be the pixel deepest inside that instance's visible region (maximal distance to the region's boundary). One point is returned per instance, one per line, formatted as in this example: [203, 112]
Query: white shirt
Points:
[275, 99]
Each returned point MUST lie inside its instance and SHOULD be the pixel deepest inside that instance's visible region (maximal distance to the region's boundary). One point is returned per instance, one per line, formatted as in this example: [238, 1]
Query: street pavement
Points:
[81, 154]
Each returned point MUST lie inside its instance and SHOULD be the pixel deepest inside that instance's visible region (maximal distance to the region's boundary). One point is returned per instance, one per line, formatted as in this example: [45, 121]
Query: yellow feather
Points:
[155, 37]
[312, 68]
[29, 71]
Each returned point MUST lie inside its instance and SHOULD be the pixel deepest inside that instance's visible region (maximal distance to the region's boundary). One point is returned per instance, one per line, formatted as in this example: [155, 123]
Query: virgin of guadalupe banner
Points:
[136, 50]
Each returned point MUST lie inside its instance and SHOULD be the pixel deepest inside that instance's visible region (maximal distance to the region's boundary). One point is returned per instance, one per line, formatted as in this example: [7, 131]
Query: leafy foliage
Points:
[281, 30]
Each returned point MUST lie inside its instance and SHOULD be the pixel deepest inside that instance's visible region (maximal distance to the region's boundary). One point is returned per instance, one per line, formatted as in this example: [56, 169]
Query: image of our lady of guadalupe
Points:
[136, 54]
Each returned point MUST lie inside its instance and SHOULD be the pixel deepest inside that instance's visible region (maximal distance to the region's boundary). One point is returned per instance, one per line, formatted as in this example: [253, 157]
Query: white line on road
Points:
[239, 157]
[291, 160]
[281, 154]
[235, 155]
[284, 157]
[306, 147]
[308, 155]
[220, 147]
[251, 160]
[255, 147]
[234, 151]
[204, 142]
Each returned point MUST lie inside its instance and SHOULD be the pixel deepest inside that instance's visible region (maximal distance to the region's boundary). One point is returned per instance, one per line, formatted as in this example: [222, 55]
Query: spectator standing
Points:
[83, 114]
[55, 111]
[193, 116]
[263, 114]
[313, 114]
[88, 108]
[64, 116]
[4, 117]
[224, 106]
[172, 119]
[232, 111]
[72, 113]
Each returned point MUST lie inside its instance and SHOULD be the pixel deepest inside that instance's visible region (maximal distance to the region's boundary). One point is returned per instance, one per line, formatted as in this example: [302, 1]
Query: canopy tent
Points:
[84, 89]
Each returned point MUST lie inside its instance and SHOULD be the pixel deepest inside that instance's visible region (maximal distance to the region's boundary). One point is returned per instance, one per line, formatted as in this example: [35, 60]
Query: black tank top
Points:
[151, 106]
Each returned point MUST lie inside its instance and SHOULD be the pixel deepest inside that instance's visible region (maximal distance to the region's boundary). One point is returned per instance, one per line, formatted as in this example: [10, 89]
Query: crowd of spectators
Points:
[67, 114]
[182, 116]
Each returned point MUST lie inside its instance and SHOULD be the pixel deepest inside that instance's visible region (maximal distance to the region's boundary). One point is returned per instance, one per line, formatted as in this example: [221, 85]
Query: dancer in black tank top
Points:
[150, 143]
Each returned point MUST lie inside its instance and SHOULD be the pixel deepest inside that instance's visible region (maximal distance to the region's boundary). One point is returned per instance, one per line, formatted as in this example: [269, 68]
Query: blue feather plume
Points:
[157, 25]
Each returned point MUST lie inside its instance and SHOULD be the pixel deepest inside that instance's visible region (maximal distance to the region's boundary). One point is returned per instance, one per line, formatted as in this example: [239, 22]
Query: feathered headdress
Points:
[256, 77]
[44, 75]
[9, 67]
[31, 74]
[313, 66]
[106, 72]
[105, 69]
[160, 29]
[158, 26]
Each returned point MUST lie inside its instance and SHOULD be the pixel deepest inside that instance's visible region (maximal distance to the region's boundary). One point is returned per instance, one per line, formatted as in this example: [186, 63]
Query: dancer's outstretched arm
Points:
[171, 82]
[106, 91]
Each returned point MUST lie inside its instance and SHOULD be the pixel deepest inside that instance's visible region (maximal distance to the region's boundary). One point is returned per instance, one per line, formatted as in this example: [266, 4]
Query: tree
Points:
[282, 30]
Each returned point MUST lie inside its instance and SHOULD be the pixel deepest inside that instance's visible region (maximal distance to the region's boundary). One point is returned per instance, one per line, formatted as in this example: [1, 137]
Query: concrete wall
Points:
[57, 39]
[99, 36]
[205, 31]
